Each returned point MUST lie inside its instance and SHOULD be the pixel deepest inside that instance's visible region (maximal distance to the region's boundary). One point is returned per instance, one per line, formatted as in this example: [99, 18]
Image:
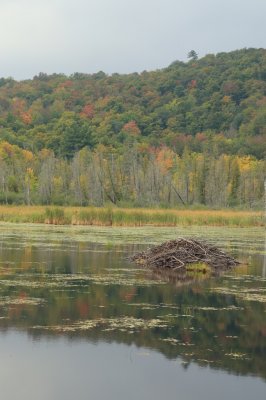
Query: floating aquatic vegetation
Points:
[186, 315]
[238, 356]
[246, 278]
[258, 294]
[252, 239]
[171, 316]
[254, 297]
[117, 279]
[154, 306]
[109, 279]
[108, 324]
[28, 284]
[186, 344]
[229, 308]
[172, 341]
[4, 301]
[76, 280]
[145, 306]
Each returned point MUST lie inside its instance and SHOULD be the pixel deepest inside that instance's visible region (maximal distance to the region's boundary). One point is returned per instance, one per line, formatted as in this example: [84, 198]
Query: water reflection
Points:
[78, 289]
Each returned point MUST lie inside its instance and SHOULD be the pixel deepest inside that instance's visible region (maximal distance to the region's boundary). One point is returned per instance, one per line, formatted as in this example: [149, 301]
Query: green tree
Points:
[192, 55]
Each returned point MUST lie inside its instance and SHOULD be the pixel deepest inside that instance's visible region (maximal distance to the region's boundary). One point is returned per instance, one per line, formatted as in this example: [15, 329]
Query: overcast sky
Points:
[121, 35]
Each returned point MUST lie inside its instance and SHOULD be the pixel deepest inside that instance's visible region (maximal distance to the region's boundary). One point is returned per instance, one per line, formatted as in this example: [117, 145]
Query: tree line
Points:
[137, 176]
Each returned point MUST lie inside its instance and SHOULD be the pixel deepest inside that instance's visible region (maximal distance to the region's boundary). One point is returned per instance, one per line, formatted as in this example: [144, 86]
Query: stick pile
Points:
[178, 254]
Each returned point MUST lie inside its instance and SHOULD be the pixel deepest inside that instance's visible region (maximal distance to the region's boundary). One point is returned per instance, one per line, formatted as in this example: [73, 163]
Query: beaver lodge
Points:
[184, 255]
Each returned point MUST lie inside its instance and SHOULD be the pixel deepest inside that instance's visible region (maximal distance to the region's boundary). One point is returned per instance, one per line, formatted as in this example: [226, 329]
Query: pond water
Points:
[77, 320]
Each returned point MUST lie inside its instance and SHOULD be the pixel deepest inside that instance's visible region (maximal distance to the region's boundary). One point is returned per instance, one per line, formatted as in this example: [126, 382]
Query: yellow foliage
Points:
[29, 172]
[102, 102]
[192, 177]
[7, 150]
[45, 153]
[226, 99]
[30, 178]
[83, 181]
[58, 182]
[28, 156]
[245, 163]
[229, 188]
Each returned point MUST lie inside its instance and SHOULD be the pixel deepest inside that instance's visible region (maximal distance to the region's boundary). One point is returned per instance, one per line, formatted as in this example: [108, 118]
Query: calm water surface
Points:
[77, 320]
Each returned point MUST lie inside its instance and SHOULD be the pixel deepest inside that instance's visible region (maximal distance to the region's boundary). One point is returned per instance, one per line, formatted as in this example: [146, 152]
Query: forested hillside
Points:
[192, 133]
[214, 102]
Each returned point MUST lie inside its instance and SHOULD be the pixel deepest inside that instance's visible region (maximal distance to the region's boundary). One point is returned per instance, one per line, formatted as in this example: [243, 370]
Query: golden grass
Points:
[129, 216]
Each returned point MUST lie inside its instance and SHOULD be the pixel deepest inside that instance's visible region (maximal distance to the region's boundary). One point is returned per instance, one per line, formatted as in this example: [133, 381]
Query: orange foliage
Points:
[165, 159]
[88, 111]
[181, 139]
[66, 84]
[201, 137]
[18, 106]
[26, 118]
[132, 128]
[19, 110]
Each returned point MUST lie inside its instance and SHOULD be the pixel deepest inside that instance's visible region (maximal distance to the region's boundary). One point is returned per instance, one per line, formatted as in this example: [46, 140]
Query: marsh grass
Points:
[198, 268]
[107, 216]
[56, 216]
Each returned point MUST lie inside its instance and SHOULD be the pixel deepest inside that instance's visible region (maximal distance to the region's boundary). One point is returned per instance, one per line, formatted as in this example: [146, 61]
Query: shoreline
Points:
[130, 217]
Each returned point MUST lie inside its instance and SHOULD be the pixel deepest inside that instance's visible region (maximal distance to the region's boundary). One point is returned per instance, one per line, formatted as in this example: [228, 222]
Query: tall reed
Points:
[108, 216]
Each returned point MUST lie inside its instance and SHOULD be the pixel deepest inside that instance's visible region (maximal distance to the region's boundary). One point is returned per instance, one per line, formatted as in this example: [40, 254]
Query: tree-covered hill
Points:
[216, 104]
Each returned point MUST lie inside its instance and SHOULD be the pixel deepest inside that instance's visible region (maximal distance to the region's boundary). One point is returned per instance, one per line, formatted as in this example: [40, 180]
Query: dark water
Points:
[77, 320]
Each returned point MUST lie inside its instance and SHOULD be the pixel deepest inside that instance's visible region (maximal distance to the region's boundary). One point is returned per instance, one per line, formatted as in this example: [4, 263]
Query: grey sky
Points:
[121, 35]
